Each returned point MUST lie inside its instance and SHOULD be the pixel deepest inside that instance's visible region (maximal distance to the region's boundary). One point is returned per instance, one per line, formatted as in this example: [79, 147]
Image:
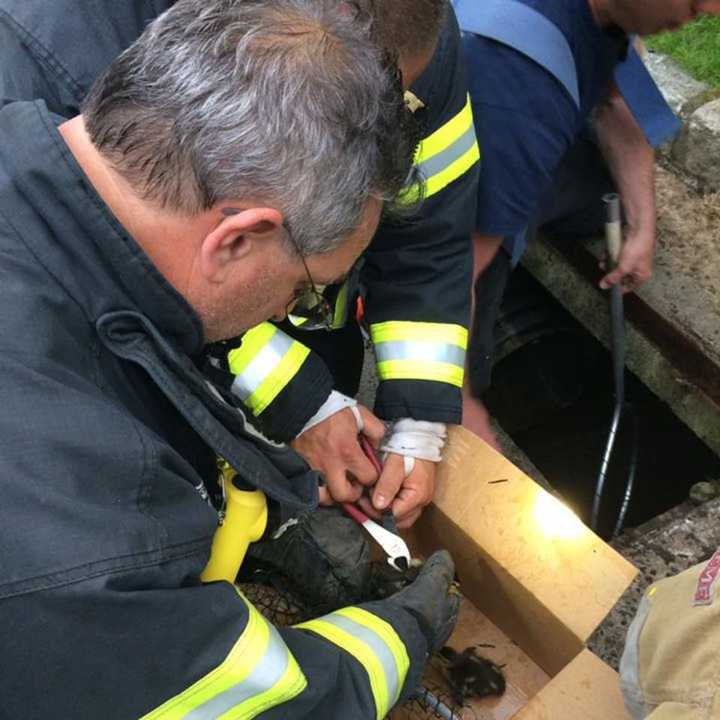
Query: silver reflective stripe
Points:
[260, 367]
[420, 351]
[379, 648]
[437, 163]
[267, 672]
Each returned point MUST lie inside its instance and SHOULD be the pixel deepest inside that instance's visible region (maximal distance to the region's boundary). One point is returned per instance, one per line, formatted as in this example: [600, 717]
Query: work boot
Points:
[432, 599]
[321, 557]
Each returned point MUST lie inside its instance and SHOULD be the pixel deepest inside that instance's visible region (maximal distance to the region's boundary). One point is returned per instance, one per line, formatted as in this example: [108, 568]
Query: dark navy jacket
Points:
[418, 271]
[107, 434]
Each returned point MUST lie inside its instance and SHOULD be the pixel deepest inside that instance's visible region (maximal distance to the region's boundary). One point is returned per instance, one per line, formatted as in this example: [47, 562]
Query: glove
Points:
[432, 600]
[322, 557]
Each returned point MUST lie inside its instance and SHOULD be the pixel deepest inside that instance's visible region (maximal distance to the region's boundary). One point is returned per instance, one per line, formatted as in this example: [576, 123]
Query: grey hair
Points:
[286, 102]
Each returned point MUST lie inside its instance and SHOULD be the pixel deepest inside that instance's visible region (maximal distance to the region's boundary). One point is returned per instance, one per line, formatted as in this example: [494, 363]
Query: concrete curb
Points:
[696, 150]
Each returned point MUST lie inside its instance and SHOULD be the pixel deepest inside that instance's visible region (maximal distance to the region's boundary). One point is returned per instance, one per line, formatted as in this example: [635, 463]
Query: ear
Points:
[235, 238]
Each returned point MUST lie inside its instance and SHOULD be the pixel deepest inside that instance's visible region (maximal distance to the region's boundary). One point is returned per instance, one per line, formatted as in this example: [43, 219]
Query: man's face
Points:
[647, 17]
[276, 277]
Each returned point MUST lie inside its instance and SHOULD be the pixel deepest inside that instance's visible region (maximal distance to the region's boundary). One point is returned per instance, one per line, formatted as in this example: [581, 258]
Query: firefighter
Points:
[416, 275]
[669, 669]
[170, 214]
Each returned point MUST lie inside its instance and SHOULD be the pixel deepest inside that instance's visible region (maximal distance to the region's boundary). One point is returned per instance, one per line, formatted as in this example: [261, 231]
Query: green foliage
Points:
[696, 48]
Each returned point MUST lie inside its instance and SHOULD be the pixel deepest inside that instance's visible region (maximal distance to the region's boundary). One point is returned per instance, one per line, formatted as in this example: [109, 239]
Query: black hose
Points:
[629, 485]
[617, 332]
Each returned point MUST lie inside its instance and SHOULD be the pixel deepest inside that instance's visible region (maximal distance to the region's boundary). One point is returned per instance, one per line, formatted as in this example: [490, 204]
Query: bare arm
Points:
[631, 162]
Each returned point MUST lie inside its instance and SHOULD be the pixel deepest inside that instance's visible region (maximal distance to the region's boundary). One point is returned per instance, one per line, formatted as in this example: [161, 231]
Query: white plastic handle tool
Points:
[393, 545]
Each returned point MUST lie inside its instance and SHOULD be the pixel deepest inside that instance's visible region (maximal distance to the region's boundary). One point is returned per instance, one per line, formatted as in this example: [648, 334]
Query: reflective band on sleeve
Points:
[341, 307]
[374, 644]
[420, 351]
[258, 674]
[445, 155]
[264, 364]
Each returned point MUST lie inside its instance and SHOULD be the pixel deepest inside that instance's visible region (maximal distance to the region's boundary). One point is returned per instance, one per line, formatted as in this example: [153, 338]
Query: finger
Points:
[374, 427]
[407, 502]
[628, 283]
[633, 281]
[409, 520]
[360, 466]
[365, 504]
[612, 278]
[341, 489]
[389, 483]
[324, 497]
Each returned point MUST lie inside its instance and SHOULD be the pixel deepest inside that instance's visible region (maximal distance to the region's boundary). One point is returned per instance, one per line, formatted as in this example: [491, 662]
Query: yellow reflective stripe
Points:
[290, 685]
[281, 375]
[245, 676]
[445, 135]
[452, 172]
[420, 351]
[401, 330]
[388, 635]
[418, 370]
[444, 156]
[362, 653]
[264, 364]
[340, 314]
[252, 342]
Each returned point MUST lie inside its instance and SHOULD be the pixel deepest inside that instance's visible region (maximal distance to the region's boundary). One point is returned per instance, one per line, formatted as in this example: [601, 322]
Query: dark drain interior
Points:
[552, 393]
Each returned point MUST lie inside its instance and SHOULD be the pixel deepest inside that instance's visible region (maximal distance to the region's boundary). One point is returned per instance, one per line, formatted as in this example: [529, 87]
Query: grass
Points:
[696, 48]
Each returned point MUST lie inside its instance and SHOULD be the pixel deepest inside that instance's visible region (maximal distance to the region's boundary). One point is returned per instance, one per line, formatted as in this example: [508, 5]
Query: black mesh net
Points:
[282, 608]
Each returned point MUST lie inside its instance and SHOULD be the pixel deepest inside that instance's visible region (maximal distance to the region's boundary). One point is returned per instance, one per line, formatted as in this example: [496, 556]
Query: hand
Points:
[407, 496]
[332, 448]
[634, 264]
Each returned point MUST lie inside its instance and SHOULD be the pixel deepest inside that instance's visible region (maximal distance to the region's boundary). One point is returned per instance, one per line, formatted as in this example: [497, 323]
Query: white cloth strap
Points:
[416, 439]
[335, 403]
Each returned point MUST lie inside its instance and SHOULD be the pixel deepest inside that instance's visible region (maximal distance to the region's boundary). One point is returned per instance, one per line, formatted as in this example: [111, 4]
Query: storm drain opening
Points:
[552, 392]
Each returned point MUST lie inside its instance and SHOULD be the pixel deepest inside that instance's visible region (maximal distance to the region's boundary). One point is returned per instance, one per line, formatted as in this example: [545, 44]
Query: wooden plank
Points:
[523, 677]
[586, 689]
[525, 561]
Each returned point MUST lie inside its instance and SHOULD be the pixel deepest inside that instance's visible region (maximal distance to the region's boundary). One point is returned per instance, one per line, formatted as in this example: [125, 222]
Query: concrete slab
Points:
[676, 85]
[665, 546]
[697, 149]
[673, 328]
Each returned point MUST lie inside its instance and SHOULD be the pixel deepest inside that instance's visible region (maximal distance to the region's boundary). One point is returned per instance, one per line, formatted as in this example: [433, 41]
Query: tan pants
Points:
[670, 669]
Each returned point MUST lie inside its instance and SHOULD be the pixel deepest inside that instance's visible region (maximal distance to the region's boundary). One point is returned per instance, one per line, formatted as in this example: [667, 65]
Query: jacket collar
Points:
[74, 234]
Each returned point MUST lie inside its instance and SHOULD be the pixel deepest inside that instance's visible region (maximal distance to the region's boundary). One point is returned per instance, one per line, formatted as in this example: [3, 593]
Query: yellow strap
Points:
[401, 330]
[419, 370]
[362, 653]
[388, 635]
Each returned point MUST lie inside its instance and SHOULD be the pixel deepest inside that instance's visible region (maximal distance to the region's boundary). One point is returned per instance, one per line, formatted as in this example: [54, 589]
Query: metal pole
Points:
[613, 239]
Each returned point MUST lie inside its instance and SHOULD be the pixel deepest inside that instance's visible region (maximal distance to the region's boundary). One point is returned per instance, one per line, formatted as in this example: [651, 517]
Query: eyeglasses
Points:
[309, 309]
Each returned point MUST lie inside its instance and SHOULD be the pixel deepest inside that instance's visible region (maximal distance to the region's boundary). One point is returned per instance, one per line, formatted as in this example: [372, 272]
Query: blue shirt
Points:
[524, 118]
